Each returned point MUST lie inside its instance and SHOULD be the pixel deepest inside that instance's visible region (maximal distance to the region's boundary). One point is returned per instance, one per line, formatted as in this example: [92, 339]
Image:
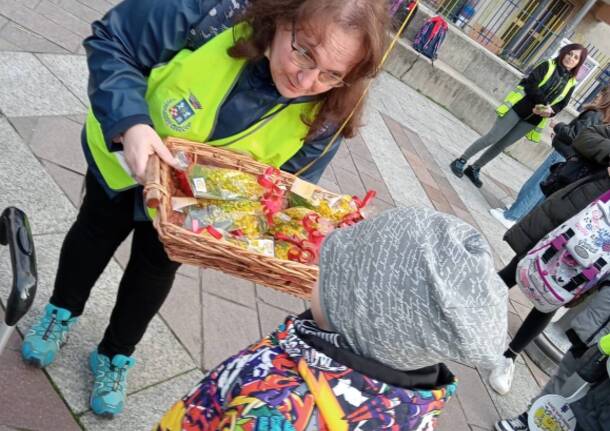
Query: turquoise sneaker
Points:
[46, 337]
[110, 383]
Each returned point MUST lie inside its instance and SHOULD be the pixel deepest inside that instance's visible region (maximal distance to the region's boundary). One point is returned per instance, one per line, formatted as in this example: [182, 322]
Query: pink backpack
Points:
[569, 260]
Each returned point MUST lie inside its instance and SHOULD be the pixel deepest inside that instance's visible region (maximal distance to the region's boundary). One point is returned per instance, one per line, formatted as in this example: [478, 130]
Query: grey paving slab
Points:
[349, 182]
[30, 3]
[541, 377]
[30, 89]
[39, 24]
[14, 37]
[228, 287]
[25, 184]
[145, 408]
[270, 318]
[159, 356]
[227, 328]
[71, 70]
[65, 18]
[77, 8]
[400, 179]
[452, 417]
[70, 182]
[474, 397]
[280, 299]
[28, 399]
[182, 313]
[100, 5]
[57, 139]
[25, 126]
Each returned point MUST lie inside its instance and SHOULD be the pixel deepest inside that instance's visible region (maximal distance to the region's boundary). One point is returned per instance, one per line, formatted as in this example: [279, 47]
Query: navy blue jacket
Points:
[137, 35]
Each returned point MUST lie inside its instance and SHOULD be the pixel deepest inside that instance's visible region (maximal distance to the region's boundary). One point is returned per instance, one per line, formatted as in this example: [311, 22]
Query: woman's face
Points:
[315, 62]
[571, 59]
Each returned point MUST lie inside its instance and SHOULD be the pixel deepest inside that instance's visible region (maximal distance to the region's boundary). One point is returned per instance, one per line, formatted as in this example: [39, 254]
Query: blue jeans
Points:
[530, 194]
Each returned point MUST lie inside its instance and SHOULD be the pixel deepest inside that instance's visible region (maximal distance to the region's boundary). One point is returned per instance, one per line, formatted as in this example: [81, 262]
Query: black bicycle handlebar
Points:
[16, 233]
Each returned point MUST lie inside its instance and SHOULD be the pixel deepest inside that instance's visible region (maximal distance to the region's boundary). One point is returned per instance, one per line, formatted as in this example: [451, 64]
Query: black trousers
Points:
[534, 323]
[101, 226]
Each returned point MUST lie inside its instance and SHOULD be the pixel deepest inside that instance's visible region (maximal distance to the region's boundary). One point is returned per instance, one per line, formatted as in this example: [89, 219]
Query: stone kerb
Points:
[443, 85]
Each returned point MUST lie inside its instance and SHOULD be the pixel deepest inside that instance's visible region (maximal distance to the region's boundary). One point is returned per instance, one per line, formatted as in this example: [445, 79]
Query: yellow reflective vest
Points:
[519, 93]
[184, 97]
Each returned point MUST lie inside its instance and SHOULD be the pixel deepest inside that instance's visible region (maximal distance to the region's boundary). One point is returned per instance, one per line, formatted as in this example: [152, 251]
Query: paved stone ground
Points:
[402, 152]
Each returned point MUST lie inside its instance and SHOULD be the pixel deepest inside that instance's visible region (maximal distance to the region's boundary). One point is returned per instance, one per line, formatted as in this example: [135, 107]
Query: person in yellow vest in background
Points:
[273, 78]
[526, 110]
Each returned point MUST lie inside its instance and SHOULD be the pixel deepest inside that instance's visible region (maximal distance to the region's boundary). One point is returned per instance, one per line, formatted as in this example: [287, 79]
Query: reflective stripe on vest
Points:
[518, 93]
[184, 97]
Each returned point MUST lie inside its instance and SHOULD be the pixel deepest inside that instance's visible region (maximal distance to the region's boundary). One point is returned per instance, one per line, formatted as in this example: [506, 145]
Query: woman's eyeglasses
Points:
[301, 57]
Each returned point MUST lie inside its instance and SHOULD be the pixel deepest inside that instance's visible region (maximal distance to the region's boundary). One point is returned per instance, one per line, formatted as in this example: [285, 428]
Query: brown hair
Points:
[369, 17]
[601, 103]
[573, 47]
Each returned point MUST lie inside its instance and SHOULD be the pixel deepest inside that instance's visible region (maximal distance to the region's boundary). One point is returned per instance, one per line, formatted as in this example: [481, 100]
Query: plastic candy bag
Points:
[242, 218]
[303, 229]
[212, 182]
[342, 210]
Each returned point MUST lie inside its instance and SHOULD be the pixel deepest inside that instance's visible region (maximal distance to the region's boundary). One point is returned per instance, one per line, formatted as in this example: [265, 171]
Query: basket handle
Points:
[153, 190]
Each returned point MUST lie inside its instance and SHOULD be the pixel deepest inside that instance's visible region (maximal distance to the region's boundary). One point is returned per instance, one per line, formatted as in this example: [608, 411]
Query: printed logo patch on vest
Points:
[177, 113]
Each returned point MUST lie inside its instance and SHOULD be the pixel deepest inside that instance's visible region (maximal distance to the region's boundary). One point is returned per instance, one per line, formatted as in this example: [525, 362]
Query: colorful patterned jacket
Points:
[283, 383]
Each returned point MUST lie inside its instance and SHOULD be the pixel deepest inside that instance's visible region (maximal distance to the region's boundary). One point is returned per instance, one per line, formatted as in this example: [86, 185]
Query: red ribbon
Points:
[183, 183]
[356, 216]
[273, 199]
[308, 250]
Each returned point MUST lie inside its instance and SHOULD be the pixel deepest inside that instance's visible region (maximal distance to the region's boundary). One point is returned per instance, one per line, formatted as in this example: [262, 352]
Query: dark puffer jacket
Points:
[592, 412]
[592, 144]
[566, 133]
[554, 210]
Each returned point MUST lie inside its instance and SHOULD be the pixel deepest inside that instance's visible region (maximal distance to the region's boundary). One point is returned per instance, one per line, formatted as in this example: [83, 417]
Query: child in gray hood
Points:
[397, 295]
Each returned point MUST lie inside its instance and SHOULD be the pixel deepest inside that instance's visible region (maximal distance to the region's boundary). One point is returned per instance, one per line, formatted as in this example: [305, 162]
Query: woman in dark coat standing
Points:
[594, 144]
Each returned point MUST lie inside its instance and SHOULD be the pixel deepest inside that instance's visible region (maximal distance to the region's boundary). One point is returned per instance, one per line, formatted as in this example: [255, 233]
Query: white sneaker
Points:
[498, 214]
[501, 377]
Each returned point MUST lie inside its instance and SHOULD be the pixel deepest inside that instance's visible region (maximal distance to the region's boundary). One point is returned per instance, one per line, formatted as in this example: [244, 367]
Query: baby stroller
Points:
[15, 232]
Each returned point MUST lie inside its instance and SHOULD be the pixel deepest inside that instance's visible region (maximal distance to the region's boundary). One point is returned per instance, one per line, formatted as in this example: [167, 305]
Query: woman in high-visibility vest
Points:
[273, 78]
[526, 110]
[530, 194]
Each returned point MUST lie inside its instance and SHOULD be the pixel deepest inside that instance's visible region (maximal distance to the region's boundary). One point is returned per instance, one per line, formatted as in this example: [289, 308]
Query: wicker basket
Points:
[185, 246]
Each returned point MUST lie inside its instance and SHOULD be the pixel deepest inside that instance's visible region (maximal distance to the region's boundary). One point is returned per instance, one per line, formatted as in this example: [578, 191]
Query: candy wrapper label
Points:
[199, 186]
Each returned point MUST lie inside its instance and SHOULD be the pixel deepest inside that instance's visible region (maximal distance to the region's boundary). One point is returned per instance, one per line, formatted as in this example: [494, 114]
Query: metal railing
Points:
[519, 31]
[599, 77]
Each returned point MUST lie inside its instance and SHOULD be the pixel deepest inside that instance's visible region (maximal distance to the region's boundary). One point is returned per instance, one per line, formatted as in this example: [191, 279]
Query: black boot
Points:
[473, 174]
[457, 167]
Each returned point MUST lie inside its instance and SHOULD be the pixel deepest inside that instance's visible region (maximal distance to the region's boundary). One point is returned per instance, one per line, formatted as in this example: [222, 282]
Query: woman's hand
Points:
[140, 142]
[542, 110]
